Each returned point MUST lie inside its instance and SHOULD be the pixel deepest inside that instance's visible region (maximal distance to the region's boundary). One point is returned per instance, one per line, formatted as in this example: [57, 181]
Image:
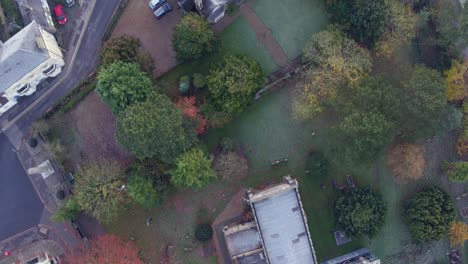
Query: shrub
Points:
[199, 81]
[142, 191]
[232, 9]
[455, 81]
[69, 211]
[407, 162]
[203, 232]
[184, 84]
[458, 233]
[193, 170]
[60, 195]
[227, 144]
[457, 171]
[231, 166]
[318, 165]
[32, 142]
[429, 214]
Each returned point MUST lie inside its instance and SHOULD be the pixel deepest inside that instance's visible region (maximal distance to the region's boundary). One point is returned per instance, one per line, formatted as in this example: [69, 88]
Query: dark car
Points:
[163, 10]
[60, 14]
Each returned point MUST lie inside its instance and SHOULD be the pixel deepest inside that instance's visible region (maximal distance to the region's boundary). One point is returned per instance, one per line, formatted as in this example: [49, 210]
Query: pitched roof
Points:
[20, 55]
[282, 226]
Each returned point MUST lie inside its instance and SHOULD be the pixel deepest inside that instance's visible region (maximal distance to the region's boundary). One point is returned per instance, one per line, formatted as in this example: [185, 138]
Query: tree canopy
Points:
[368, 21]
[337, 61]
[423, 102]
[457, 171]
[360, 211]
[455, 81]
[154, 128]
[97, 187]
[122, 84]
[429, 214]
[193, 170]
[233, 83]
[106, 249]
[142, 191]
[124, 49]
[193, 37]
[458, 233]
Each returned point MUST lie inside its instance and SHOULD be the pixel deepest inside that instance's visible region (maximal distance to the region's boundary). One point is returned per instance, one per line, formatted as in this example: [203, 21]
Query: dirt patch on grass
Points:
[96, 127]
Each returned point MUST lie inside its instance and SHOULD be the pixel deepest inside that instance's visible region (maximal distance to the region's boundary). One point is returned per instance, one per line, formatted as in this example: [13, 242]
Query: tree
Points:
[400, 28]
[429, 214]
[193, 170]
[457, 171]
[193, 37]
[97, 187]
[122, 84]
[233, 83]
[368, 21]
[204, 232]
[407, 162]
[142, 191]
[154, 128]
[455, 81]
[124, 49]
[187, 106]
[106, 249]
[360, 211]
[423, 102]
[458, 233]
[338, 61]
[68, 212]
[231, 166]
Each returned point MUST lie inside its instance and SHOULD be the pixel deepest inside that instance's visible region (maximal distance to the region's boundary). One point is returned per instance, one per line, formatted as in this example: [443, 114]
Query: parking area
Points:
[155, 35]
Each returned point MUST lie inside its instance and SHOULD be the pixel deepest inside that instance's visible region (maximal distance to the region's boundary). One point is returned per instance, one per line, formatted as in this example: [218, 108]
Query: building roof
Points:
[37, 10]
[360, 256]
[213, 10]
[20, 55]
[282, 225]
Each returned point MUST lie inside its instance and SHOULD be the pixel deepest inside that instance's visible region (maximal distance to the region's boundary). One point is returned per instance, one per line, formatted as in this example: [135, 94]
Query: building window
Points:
[23, 89]
[49, 69]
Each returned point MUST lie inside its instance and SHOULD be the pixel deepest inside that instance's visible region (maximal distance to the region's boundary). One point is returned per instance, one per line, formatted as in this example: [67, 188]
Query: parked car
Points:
[70, 3]
[60, 14]
[163, 10]
[155, 4]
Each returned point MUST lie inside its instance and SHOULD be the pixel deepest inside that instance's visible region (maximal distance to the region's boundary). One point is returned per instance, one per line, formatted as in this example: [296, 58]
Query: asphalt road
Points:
[20, 206]
[86, 62]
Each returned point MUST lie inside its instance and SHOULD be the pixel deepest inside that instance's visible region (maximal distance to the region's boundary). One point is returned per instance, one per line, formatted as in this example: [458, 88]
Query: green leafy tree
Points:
[69, 211]
[368, 21]
[124, 49]
[142, 191]
[122, 84]
[154, 128]
[338, 61]
[233, 83]
[193, 37]
[193, 170]
[429, 214]
[360, 211]
[423, 102]
[457, 171]
[97, 187]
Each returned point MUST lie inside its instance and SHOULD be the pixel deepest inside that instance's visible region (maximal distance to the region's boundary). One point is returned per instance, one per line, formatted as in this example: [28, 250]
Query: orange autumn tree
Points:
[188, 108]
[106, 249]
[458, 233]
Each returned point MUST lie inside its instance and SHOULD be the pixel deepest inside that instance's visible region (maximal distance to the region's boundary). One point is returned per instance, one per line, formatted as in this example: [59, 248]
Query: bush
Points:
[69, 211]
[457, 171]
[60, 195]
[227, 144]
[203, 232]
[232, 9]
[32, 142]
[184, 84]
[318, 165]
[142, 191]
[231, 166]
[199, 81]
[429, 214]
[407, 162]
[193, 170]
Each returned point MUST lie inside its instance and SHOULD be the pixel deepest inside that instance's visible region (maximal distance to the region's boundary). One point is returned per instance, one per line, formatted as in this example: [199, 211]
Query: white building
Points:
[26, 59]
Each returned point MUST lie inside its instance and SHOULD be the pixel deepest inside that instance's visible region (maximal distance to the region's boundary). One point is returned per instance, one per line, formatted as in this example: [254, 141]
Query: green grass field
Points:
[292, 22]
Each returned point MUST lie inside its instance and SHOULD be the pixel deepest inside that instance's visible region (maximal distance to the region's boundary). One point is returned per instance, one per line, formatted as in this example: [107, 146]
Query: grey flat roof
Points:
[20, 55]
[243, 241]
[283, 229]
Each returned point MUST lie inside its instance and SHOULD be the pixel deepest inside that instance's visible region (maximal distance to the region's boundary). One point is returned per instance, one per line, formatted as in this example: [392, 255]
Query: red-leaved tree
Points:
[106, 249]
[188, 108]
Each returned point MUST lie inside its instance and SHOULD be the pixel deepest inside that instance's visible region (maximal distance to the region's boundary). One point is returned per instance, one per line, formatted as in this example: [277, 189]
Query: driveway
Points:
[20, 206]
[155, 35]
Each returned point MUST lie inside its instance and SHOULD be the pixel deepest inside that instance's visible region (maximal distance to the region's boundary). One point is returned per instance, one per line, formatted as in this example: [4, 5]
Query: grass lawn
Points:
[292, 22]
[238, 38]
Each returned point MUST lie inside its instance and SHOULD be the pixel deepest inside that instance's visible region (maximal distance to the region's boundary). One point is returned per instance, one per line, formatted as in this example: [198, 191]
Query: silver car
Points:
[155, 4]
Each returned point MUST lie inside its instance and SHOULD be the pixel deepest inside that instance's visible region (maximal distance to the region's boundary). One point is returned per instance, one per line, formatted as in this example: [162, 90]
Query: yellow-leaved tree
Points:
[455, 81]
[458, 233]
